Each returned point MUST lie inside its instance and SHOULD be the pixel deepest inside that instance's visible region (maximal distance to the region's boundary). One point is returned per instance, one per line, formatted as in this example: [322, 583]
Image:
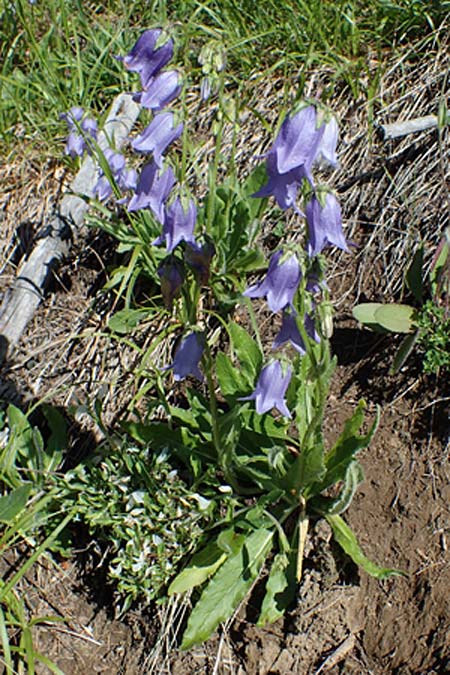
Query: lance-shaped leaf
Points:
[348, 542]
[280, 588]
[202, 566]
[227, 588]
[344, 450]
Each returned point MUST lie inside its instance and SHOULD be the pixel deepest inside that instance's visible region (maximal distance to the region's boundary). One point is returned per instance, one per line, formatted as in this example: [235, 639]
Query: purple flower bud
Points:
[178, 224]
[205, 88]
[271, 389]
[326, 152]
[280, 284]
[152, 190]
[199, 258]
[145, 58]
[171, 274]
[116, 161]
[160, 91]
[289, 332]
[324, 224]
[157, 136]
[187, 357]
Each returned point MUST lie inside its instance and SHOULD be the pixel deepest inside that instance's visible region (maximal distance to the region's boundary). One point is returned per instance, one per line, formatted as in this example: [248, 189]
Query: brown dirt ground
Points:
[394, 195]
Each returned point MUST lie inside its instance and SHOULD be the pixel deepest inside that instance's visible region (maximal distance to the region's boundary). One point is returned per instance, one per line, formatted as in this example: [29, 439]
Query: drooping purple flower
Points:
[147, 59]
[160, 91]
[171, 274]
[159, 134]
[283, 186]
[116, 161]
[152, 190]
[178, 224]
[324, 224]
[326, 152]
[271, 389]
[199, 258]
[281, 282]
[89, 126]
[290, 332]
[187, 357]
[297, 142]
[125, 178]
[77, 143]
[73, 116]
[103, 189]
[128, 179]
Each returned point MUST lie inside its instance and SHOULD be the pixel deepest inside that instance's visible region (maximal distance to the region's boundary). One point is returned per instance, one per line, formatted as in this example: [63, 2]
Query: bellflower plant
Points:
[235, 413]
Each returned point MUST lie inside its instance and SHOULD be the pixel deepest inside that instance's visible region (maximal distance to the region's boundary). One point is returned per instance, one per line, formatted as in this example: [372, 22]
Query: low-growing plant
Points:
[212, 407]
[427, 325]
[27, 508]
[141, 511]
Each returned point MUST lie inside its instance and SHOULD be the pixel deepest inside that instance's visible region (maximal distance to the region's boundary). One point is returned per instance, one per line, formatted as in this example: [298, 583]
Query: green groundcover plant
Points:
[426, 325]
[228, 403]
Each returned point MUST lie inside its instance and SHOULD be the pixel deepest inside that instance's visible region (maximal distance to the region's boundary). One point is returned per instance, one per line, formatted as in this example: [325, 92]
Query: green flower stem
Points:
[212, 178]
[224, 451]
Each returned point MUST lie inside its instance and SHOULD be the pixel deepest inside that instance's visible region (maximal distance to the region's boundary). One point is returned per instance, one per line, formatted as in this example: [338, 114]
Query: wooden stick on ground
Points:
[398, 129]
[27, 291]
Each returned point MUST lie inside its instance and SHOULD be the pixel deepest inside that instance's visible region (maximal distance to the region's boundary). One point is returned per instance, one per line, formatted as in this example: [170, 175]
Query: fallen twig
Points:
[27, 291]
[398, 129]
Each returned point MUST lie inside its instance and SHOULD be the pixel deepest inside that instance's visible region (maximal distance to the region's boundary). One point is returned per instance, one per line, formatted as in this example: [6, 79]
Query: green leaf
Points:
[348, 542]
[344, 450]
[396, 318]
[280, 589]
[249, 261]
[414, 275]
[353, 477]
[404, 350]
[126, 320]
[13, 503]
[247, 351]
[440, 262]
[227, 588]
[229, 377]
[365, 314]
[230, 542]
[203, 565]
[57, 442]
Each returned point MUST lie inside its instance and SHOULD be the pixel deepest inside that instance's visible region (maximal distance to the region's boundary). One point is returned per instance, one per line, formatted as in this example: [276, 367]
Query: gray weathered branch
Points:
[27, 291]
[398, 129]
